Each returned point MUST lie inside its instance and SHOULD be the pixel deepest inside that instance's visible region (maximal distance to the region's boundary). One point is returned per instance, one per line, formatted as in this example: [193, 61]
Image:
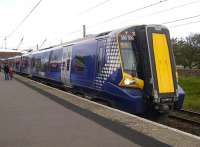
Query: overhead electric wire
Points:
[20, 43]
[43, 43]
[74, 32]
[186, 18]
[139, 9]
[25, 18]
[121, 15]
[193, 22]
[124, 14]
[93, 7]
[172, 8]
[130, 12]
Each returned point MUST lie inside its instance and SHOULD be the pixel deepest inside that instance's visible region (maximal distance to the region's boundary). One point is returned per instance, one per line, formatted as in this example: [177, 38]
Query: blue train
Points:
[131, 68]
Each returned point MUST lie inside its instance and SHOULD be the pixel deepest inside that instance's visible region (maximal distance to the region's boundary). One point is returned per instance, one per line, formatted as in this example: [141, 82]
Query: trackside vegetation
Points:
[191, 86]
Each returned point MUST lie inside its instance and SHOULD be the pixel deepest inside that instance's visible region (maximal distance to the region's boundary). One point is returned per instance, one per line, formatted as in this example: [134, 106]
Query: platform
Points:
[35, 115]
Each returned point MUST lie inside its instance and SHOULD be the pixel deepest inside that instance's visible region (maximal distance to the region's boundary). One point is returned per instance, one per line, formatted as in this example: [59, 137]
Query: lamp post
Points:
[84, 31]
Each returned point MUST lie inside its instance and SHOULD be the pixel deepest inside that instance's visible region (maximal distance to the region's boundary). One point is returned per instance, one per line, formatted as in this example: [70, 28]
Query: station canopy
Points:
[7, 53]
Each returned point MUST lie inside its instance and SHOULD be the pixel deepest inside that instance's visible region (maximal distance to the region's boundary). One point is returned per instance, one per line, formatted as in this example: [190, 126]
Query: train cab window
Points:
[128, 57]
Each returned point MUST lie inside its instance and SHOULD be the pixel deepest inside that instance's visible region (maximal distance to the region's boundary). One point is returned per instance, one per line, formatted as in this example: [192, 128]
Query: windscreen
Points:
[128, 53]
[128, 56]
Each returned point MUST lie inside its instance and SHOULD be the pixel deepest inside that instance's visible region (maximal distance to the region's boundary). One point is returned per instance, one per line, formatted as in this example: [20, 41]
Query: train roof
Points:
[47, 49]
[90, 37]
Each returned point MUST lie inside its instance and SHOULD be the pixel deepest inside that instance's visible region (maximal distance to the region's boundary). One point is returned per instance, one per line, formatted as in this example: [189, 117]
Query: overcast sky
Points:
[62, 20]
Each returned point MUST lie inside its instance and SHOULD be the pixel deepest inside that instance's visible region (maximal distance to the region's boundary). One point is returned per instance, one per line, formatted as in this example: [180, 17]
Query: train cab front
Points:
[148, 64]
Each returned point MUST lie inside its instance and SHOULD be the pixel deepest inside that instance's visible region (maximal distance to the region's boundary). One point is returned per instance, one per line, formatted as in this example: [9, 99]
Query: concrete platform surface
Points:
[32, 118]
[129, 126]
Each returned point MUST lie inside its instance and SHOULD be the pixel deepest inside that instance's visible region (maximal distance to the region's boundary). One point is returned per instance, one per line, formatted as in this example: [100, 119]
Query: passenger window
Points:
[80, 63]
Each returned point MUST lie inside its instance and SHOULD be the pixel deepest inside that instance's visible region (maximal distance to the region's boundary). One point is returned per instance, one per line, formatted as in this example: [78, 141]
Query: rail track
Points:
[185, 120]
[186, 116]
[190, 112]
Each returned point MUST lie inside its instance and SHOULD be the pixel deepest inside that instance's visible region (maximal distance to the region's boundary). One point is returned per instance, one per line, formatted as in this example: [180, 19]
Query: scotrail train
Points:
[131, 68]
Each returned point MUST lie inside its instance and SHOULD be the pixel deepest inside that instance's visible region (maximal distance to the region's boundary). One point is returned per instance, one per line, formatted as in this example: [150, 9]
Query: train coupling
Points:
[162, 108]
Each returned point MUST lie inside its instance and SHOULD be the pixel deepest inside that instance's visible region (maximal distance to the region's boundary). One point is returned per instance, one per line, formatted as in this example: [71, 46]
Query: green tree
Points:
[187, 51]
[193, 42]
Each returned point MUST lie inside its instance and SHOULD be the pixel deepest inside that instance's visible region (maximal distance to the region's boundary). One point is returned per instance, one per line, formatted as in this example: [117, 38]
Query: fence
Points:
[188, 72]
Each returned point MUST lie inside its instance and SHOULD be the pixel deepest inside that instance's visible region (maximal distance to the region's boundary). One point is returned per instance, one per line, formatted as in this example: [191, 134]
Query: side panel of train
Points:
[25, 66]
[15, 63]
[96, 69]
[47, 64]
[125, 61]
[83, 64]
[131, 68]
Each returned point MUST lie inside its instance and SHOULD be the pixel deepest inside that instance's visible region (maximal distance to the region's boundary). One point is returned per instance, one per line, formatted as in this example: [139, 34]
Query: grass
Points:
[191, 86]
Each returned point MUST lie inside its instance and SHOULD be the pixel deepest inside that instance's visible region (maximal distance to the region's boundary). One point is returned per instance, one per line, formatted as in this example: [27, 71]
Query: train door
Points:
[100, 55]
[159, 65]
[29, 64]
[162, 61]
[66, 65]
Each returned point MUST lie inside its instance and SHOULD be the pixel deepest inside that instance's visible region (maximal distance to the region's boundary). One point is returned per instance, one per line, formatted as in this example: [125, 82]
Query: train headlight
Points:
[129, 81]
